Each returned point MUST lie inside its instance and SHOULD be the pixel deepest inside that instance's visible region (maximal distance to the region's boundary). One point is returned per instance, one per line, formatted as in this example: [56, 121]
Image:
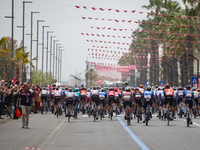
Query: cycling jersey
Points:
[188, 95]
[196, 95]
[179, 94]
[83, 95]
[148, 95]
[70, 96]
[44, 93]
[127, 96]
[77, 95]
[57, 93]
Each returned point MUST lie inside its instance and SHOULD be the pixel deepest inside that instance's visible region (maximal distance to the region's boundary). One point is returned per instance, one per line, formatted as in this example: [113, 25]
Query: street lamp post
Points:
[24, 2]
[197, 69]
[56, 58]
[31, 41]
[171, 69]
[61, 64]
[47, 50]
[38, 21]
[54, 55]
[51, 50]
[12, 35]
[43, 48]
[59, 55]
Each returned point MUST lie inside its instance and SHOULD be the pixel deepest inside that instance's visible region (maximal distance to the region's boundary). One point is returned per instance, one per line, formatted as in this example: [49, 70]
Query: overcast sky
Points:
[67, 25]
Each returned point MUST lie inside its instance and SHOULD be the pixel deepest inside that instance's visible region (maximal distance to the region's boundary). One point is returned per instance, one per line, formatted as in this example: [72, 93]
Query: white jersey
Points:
[44, 93]
[94, 93]
[70, 95]
[57, 93]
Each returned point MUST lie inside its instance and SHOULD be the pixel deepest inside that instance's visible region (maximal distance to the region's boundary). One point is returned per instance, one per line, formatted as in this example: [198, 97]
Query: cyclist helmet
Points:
[70, 89]
[111, 89]
[156, 86]
[141, 86]
[43, 88]
[76, 89]
[120, 88]
[159, 88]
[88, 90]
[115, 89]
[103, 90]
[167, 86]
[174, 88]
[136, 89]
[66, 88]
[198, 90]
[187, 87]
[127, 89]
[193, 89]
[83, 88]
[91, 87]
[148, 88]
[57, 88]
[180, 88]
[126, 82]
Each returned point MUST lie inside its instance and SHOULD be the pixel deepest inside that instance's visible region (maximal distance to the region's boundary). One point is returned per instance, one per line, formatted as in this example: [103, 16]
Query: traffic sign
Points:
[161, 83]
[194, 80]
[145, 85]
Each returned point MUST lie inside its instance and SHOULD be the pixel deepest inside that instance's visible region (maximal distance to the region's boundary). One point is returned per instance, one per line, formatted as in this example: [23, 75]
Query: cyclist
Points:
[179, 95]
[168, 93]
[199, 101]
[147, 96]
[127, 100]
[44, 96]
[102, 97]
[77, 99]
[141, 88]
[83, 98]
[188, 97]
[70, 98]
[117, 97]
[111, 98]
[57, 98]
[138, 100]
[196, 99]
[175, 101]
[126, 85]
[94, 98]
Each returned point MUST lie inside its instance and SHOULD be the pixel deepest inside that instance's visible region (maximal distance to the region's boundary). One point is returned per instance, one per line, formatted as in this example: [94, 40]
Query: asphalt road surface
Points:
[47, 132]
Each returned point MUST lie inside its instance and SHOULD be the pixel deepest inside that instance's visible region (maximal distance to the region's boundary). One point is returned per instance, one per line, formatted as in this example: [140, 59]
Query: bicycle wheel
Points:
[188, 120]
[42, 109]
[111, 112]
[168, 118]
[94, 114]
[69, 114]
[195, 112]
[147, 118]
[46, 109]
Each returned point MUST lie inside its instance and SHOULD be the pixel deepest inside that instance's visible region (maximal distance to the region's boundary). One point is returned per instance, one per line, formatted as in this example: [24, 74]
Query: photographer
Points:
[26, 97]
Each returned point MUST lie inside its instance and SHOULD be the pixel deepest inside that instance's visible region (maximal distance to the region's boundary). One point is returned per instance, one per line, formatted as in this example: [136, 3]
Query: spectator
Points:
[8, 97]
[36, 93]
[26, 97]
[15, 97]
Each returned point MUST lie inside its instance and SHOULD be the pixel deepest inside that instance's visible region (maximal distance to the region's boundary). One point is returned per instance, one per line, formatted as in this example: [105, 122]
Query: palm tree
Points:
[25, 60]
[5, 53]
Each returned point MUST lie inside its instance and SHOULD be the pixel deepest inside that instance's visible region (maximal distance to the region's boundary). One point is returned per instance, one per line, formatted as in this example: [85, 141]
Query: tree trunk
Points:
[5, 72]
[190, 60]
[17, 71]
[24, 74]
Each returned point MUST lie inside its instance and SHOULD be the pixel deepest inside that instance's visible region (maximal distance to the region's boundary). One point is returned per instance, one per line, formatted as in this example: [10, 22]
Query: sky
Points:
[65, 20]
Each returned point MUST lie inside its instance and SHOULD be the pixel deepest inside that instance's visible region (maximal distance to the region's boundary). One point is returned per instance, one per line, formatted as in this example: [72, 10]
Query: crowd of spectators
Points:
[10, 97]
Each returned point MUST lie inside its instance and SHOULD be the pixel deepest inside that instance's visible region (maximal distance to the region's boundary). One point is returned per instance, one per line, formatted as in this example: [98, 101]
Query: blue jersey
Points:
[148, 95]
[77, 95]
[179, 94]
[175, 95]
[188, 95]
[65, 92]
[102, 95]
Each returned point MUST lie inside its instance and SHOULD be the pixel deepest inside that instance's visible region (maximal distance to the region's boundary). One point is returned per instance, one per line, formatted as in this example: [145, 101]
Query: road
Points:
[47, 132]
